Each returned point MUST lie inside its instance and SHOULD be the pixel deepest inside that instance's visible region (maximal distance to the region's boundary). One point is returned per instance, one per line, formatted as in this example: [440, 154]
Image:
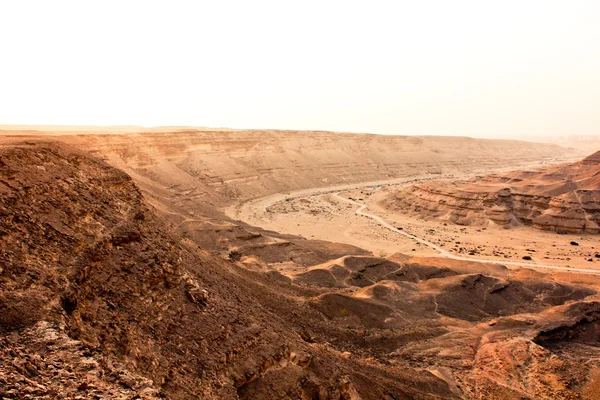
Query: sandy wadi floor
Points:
[324, 216]
[320, 215]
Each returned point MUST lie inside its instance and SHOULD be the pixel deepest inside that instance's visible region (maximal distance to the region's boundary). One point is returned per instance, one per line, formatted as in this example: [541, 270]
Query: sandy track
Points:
[360, 211]
[258, 212]
[252, 209]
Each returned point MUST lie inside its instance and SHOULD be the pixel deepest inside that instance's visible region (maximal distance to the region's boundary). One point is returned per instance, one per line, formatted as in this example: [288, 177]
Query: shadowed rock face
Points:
[476, 297]
[101, 296]
[580, 324]
[564, 198]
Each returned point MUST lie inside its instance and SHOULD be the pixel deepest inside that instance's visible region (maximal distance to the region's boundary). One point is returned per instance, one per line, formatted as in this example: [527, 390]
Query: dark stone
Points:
[69, 304]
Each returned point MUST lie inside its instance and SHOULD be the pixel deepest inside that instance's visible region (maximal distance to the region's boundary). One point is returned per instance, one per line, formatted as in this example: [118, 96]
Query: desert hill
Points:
[559, 198]
[118, 285]
[101, 298]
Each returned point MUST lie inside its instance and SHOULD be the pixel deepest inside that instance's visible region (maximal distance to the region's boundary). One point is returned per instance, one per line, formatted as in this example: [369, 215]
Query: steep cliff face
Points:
[561, 198]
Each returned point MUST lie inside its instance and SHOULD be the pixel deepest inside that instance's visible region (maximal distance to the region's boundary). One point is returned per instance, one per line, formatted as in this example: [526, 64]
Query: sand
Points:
[324, 215]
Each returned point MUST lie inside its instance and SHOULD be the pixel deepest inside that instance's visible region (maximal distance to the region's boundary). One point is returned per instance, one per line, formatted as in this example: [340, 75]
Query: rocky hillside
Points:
[559, 198]
[101, 298]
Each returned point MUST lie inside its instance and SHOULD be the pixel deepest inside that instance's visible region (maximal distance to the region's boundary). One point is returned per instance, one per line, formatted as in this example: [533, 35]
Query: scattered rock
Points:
[194, 292]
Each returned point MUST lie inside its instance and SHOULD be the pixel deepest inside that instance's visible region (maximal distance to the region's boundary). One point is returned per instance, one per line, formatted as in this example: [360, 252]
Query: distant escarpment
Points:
[559, 198]
[216, 167]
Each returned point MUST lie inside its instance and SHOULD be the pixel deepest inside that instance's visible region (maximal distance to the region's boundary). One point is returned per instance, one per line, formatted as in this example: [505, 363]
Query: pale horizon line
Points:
[135, 127]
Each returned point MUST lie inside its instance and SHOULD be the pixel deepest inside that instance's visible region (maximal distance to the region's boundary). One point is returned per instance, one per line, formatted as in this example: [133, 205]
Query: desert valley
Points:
[316, 200]
[261, 264]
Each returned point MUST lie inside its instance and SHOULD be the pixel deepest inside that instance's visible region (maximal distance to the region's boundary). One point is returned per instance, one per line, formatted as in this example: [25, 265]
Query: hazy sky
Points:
[477, 68]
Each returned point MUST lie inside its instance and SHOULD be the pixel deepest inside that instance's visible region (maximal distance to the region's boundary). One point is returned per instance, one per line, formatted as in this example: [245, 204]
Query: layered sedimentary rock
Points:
[560, 198]
[217, 166]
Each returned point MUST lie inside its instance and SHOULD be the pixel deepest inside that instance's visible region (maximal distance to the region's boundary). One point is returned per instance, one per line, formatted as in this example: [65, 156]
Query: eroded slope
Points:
[99, 298]
[560, 198]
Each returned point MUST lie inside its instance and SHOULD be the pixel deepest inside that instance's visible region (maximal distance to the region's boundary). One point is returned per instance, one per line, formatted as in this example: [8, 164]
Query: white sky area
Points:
[475, 68]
